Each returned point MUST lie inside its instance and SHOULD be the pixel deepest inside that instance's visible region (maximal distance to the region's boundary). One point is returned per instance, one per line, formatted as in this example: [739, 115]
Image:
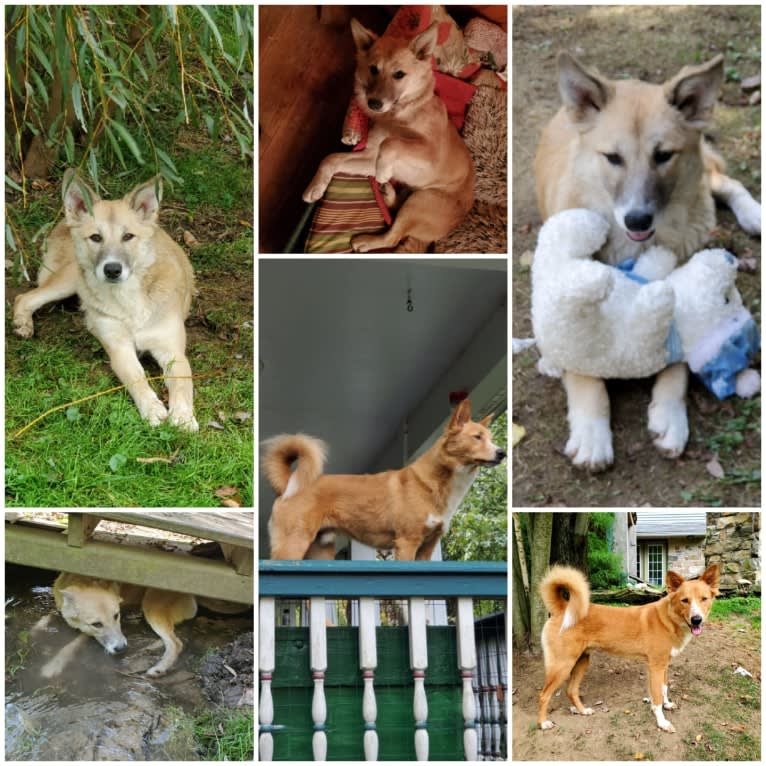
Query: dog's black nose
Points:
[696, 620]
[500, 455]
[375, 104]
[112, 271]
[638, 220]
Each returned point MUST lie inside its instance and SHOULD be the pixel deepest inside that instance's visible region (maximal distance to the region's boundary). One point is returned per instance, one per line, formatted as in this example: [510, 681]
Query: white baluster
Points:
[368, 662]
[318, 668]
[466, 661]
[266, 655]
[418, 665]
[493, 682]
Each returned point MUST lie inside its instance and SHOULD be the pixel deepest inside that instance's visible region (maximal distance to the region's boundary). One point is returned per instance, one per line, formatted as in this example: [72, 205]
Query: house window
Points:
[655, 569]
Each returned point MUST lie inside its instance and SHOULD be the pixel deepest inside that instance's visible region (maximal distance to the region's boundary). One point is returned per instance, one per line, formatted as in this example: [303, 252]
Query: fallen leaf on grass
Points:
[518, 433]
[714, 468]
[226, 491]
[216, 425]
[230, 503]
[169, 460]
[190, 240]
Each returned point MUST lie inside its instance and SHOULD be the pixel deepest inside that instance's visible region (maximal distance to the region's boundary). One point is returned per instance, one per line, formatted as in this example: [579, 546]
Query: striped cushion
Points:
[347, 208]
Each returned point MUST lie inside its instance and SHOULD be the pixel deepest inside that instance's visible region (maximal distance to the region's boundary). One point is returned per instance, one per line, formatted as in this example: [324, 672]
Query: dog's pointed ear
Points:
[424, 45]
[694, 90]
[673, 581]
[712, 576]
[487, 420]
[460, 415]
[78, 197]
[145, 199]
[584, 92]
[364, 38]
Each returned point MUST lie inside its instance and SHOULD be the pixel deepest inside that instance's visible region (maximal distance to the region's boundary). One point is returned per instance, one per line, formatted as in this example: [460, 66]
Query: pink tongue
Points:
[640, 236]
[696, 630]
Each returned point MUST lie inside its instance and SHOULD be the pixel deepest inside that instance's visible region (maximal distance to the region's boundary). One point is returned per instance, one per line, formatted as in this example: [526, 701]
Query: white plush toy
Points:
[634, 320]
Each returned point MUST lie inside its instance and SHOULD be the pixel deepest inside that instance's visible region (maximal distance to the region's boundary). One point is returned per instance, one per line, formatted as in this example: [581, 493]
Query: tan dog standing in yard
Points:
[408, 509]
[635, 153]
[654, 633]
[411, 140]
[135, 286]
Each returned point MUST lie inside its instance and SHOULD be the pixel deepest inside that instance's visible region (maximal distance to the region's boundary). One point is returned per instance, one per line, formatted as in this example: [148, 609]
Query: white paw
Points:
[547, 725]
[361, 243]
[667, 726]
[590, 443]
[24, 327]
[184, 420]
[585, 711]
[669, 705]
[748, 213]
[153, 411]
[670, 426]
[51, 669]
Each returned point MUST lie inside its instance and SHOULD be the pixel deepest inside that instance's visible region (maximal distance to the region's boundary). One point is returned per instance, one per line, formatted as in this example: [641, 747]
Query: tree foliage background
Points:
[99, 86]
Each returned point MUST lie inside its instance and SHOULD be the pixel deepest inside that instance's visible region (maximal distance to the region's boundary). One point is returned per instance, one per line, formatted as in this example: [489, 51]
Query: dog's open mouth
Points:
[640, 236]
[696, 629]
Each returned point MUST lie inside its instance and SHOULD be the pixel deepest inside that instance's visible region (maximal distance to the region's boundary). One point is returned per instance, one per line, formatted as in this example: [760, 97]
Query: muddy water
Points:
[101, 707]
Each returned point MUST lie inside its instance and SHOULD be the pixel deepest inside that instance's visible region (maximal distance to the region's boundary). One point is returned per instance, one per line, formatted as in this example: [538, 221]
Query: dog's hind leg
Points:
[163, 610]
[573, 688]
[426, 216]
[738, 199]
[555, 675]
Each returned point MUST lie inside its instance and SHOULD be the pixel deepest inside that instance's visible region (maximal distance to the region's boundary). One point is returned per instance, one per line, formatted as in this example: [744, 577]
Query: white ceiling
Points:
[343, 359]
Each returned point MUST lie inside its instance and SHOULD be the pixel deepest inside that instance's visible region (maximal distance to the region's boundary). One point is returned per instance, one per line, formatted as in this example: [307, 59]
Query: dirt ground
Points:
[227, 674]
[653, 43]
[718, 715]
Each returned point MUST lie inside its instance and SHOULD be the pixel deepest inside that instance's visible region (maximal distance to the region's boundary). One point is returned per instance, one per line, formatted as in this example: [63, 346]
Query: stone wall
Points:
[733, 541]
[686, 557]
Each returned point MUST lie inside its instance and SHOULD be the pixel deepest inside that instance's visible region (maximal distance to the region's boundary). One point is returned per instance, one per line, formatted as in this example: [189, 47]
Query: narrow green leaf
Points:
[77, 104]
[41, 57]
[129, 140]
[212, 25]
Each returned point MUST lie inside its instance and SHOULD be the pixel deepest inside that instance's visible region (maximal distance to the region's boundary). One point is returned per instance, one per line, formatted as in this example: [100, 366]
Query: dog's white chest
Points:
[461, 483]
[675, 651]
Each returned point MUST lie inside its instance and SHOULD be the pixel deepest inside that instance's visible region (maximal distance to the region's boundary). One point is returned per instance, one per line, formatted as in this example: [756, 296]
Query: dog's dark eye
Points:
[127, 237]
[684, 600]
[97, 625]
[613, 158]
[477, 436]
[398, 75]
[661, 157]
[96, 238]
[373, 70]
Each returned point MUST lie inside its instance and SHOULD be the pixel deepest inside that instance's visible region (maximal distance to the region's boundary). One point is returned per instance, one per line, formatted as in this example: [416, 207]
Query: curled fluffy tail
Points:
[558, 581]
[280, 452]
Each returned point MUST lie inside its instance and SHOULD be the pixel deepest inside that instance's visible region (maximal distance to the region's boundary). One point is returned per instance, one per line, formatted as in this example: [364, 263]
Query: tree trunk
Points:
[520, 605]
[541, 529]
[569, 543]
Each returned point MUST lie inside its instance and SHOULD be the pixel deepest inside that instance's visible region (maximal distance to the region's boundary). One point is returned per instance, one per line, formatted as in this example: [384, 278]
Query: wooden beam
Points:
[127, 563]
[80, 528]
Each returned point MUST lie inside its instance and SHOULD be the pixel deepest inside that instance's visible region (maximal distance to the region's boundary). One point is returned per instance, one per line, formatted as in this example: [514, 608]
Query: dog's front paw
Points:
[23, 324]
[590, 443]
[669, 705]
[156, 671]
[183, 419]
[585, 711]
[668, 727]
[315, 190]
[547, 725]
[153, 411]
[670, 426]
[351, 136]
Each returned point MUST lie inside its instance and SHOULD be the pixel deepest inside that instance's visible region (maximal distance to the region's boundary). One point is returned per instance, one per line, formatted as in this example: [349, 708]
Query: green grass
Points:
[225, 735]
[749, 608]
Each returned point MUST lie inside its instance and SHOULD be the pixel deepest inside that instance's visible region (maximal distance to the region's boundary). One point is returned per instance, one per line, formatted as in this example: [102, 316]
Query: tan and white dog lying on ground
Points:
[92, 606]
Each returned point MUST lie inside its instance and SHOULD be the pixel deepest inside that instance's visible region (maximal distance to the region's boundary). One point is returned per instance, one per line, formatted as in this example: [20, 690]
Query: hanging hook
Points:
[410, 306]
